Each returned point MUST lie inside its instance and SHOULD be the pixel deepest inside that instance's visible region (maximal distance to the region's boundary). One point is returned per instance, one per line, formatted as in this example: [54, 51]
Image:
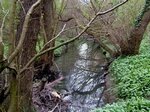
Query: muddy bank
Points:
[47, 99]
[109, 94]
[44, 97]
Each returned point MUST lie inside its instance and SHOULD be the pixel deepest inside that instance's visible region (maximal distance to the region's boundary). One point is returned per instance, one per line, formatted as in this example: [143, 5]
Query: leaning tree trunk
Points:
[138, 31]
[28, 51]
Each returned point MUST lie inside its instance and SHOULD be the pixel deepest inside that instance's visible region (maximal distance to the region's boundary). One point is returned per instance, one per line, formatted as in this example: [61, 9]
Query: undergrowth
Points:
[131, 105]
[132, 77]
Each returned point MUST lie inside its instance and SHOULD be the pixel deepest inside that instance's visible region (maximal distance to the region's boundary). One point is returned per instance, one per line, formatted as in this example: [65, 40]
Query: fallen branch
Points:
[66, 20]
[52, 84]
[54, 108]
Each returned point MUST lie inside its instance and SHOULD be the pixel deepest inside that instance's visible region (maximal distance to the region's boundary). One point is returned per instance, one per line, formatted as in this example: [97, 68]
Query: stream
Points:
[83, 84]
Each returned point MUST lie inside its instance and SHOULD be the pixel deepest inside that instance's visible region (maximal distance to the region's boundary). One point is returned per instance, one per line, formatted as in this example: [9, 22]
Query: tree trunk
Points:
[1, 51]
[50, 24]
[28, 51]
[138, 31]
[12, 27]
[13, 93]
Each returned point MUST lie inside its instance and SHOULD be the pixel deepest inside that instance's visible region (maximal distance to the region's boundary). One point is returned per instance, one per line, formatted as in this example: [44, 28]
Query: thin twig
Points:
[3, 10]
[73, 39]
[22, 7]
[71, 28]
[54, 108]
[2, 26]
[93, 6]
[58, 69]
[54, 37]
[113, 8]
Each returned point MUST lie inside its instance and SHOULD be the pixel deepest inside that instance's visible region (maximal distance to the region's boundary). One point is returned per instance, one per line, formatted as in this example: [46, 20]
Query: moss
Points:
[145, 9]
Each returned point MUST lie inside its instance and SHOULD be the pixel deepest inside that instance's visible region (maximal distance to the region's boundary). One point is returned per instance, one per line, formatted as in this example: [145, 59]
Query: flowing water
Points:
[83, 83]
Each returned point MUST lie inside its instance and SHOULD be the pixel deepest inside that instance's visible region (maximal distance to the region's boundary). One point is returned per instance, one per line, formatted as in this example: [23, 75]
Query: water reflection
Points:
[82, 77]
[83, 50]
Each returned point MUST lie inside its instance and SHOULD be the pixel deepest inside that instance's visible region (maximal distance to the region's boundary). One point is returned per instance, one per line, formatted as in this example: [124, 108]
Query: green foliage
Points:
[58, 51]
[58, 41]
[132, 73]
[6, 47]
[147, 5]
[144, 48]
[132, 76]
[60, 6]
[132, 105]
[5, 4]
[127, 11]
[145, 9]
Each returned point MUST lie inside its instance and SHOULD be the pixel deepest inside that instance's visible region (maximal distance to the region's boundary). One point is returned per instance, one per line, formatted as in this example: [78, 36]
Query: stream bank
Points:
[84, 81]
[82, 85]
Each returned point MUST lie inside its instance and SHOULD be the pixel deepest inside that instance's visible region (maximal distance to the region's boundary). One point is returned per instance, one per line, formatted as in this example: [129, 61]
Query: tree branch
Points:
[54, 37]
[1, 38]
[24, 30]
[12, 27]
[2, 26]
[66, 20]
[73, 39]
[113, 8]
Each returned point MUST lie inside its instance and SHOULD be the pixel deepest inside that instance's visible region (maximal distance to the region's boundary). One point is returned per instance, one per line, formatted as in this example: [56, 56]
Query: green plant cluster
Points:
[132, 77]
[147, 5]
[58, 51]
[40, 44]
[131, 105]
[132, 73]
[144, 48]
